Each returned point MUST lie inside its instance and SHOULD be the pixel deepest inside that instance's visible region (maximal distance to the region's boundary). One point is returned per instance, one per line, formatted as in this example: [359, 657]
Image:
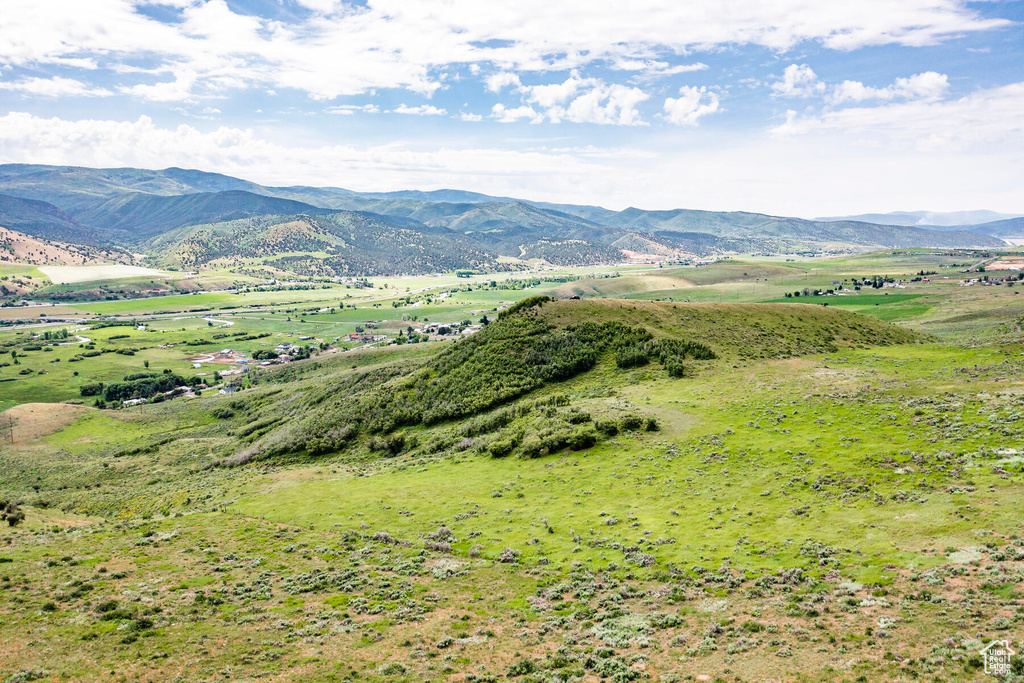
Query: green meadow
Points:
[742, 487]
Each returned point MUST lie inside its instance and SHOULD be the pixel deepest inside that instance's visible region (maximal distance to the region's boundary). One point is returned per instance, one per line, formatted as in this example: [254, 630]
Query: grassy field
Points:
[832, 497]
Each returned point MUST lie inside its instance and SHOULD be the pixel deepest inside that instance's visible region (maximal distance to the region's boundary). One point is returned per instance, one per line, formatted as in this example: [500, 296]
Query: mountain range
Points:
[190, 218]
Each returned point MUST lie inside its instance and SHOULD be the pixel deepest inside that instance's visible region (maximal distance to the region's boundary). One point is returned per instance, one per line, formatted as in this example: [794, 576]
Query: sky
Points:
[791, 107]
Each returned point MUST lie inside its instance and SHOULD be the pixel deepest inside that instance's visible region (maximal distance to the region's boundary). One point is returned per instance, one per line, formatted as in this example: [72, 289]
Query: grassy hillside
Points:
[821, 500]
[534, 346]
[16, 247]
[144, 216]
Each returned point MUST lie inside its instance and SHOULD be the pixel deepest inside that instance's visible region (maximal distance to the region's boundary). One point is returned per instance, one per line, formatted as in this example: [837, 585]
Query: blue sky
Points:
[796, 107]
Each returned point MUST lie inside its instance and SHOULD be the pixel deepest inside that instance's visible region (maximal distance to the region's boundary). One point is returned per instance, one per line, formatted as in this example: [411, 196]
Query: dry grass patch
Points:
[33, 421]
[63, 275]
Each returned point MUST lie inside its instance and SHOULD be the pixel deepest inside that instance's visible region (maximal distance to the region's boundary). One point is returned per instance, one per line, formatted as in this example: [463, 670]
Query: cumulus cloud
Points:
[553, 94]
[579, 100]
[798, 80]
[505, 115]
[928, 85]
[346, 49]
[467, 116]
[691, 104]
[604, 104]
[419, 110]
[495, 82]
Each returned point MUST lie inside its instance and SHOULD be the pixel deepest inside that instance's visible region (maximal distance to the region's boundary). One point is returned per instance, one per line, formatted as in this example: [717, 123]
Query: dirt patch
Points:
[23, 312]
[32, 421]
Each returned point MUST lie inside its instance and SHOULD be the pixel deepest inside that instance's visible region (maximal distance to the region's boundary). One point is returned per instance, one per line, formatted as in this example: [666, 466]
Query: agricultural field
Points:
[62, 275]
[687, 473]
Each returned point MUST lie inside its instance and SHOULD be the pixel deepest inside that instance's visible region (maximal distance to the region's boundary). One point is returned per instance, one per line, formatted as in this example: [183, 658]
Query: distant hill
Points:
[144, 215]
[1011, 227]
[331, 244]
[17, 247]
[42, 219]
[71, 188]
[148, 209]
[925, 218]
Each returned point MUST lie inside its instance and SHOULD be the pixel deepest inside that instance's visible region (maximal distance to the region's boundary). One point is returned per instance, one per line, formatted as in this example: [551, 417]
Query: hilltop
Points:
[535, 346]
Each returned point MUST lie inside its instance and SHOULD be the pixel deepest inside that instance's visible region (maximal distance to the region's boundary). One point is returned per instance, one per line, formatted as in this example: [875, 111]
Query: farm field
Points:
[803, 492]
[69, 274]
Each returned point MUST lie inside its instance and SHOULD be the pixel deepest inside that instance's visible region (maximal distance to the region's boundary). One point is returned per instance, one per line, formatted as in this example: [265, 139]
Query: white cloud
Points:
[611, 104]
[178, 90]
[322, 6]
[495, 82]
[928, 85]
[553, 94]
[798, 80]
[691, 104]
[419, 110]
[54, 87]
[650, 68]
[505, 115]
[983, 118]
[747, 172]
[465, 116]
[242, 152]
[352, 109]
[346, 49]
[580, 100]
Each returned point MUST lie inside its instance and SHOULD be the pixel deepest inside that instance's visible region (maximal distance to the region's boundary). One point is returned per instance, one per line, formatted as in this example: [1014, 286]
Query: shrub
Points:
[630, 358]
[521, 668]
[509, 556]
[91, 389]
[11, 513]
[631, 423]
[579, 439]
[501, 448]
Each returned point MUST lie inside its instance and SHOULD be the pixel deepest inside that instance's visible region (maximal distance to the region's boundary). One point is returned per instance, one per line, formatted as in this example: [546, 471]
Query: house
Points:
[134, 402]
